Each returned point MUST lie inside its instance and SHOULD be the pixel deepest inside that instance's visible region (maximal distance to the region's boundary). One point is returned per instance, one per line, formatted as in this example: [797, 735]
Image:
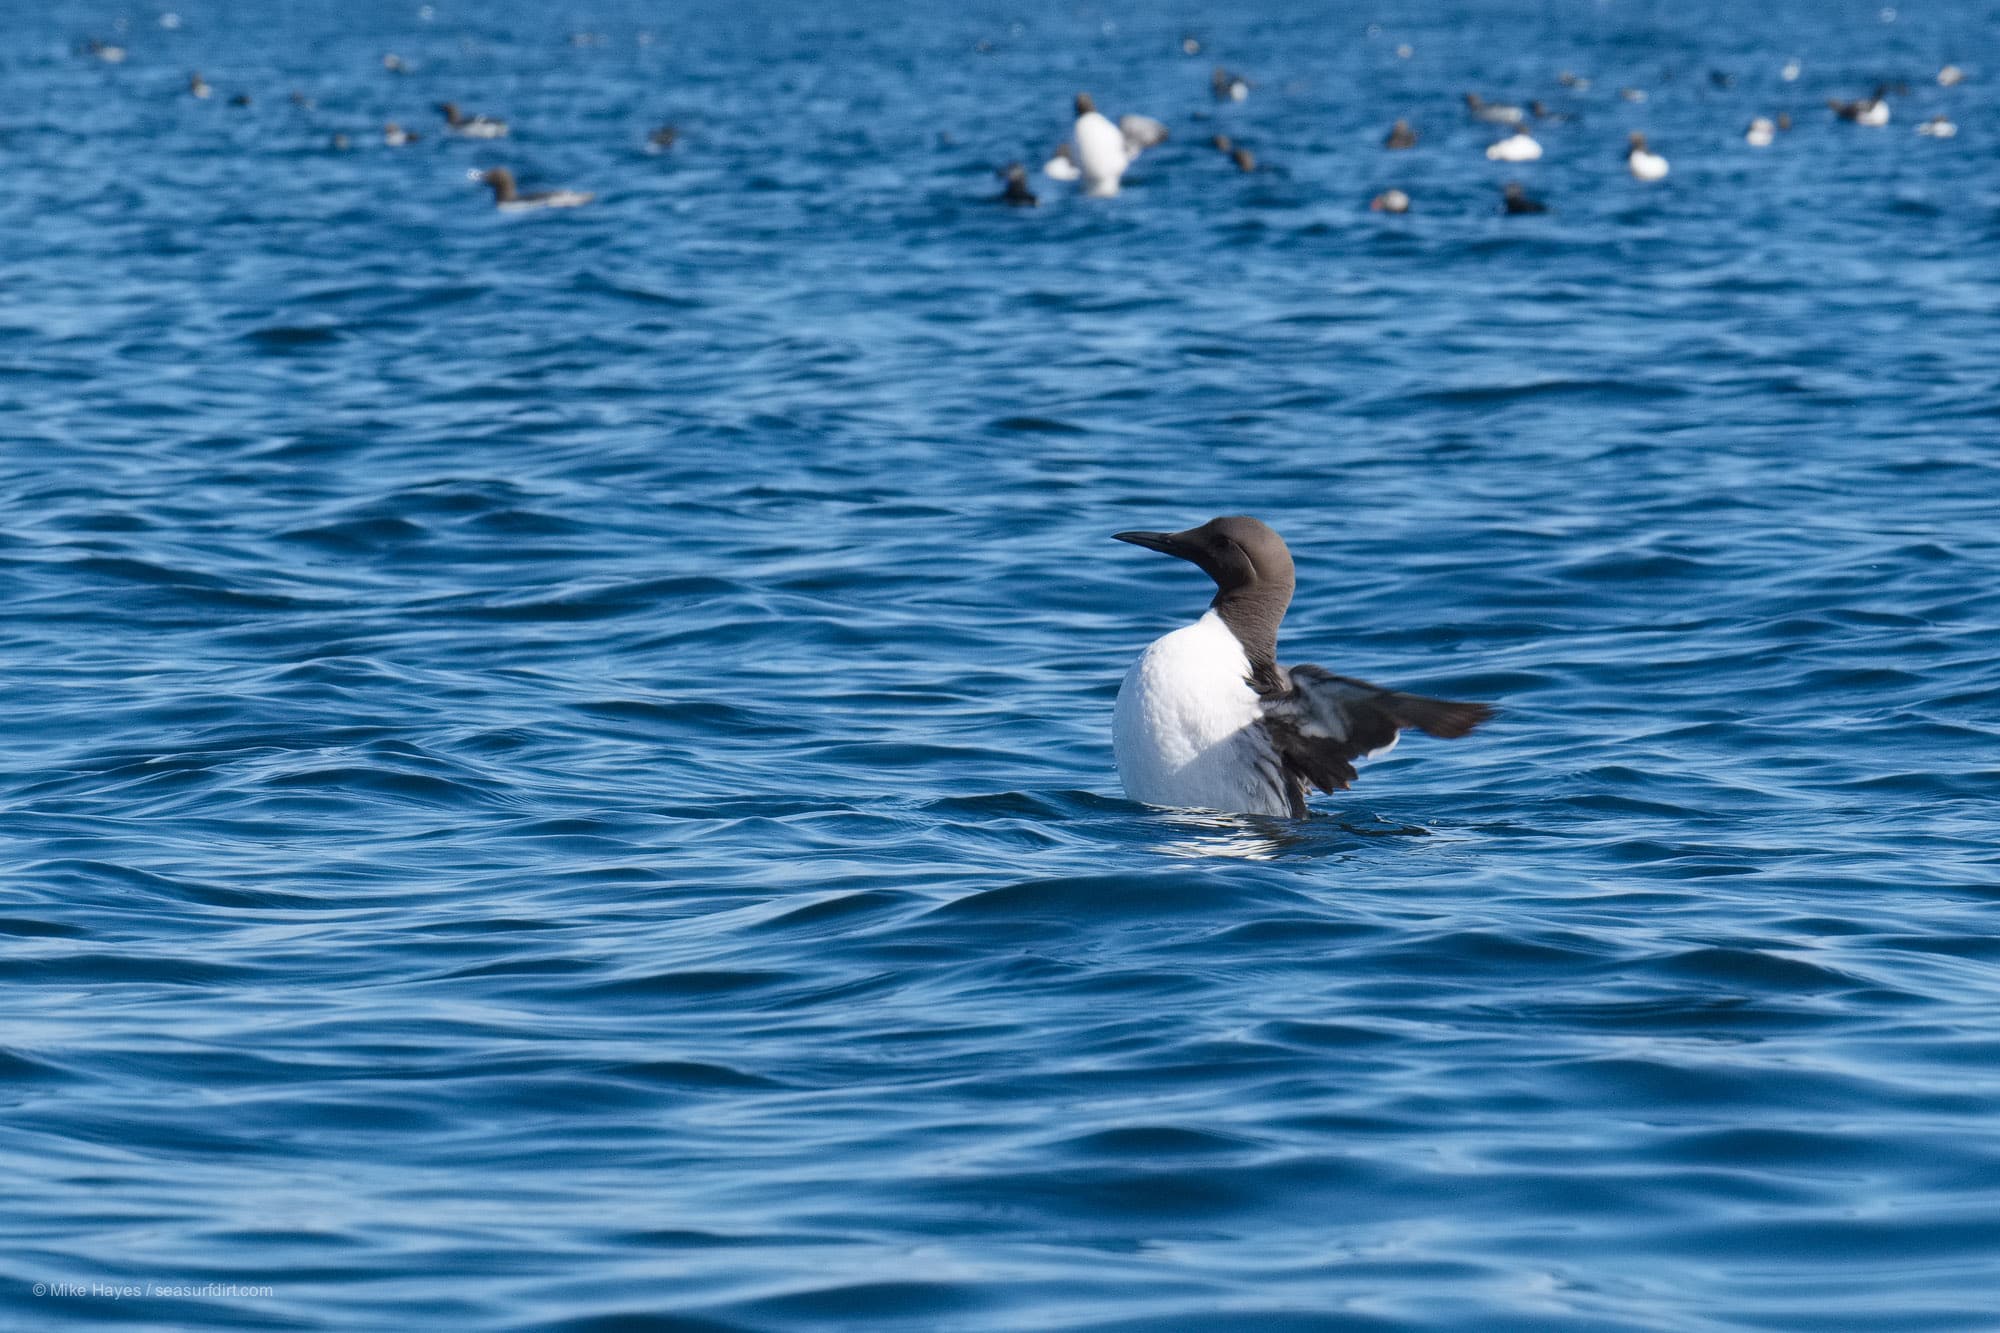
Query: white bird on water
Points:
[1643, 162]
[1207, 719]
[1520, 146]
[1870, 110]
[1100, 149]
[1104, 150]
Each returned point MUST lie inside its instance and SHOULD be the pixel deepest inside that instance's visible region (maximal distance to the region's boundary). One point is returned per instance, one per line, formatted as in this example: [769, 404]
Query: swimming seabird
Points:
[661, 139]
[1207, 719]
[1520, 146]
[1101, 150]
[1390, 201]
[1514, 199]
[1017, 192]
[1760, 133]
[198, 86]
[1493, 113]
[472, 127]
[1244, 159]
[510, 200]
[1870, 110]
[1062, 166]
[396, 136]
[1937, 127]
[112, 54]
[1643, 162]
[1401, 136]
[1228, 87]
[1950, 76]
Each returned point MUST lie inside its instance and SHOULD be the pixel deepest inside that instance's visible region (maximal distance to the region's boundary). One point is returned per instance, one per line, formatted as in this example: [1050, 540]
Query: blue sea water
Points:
[558, 767]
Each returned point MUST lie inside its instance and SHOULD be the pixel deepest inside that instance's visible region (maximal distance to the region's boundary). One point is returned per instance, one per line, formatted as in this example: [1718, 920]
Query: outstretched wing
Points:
[1322, 723]
[1141, 133]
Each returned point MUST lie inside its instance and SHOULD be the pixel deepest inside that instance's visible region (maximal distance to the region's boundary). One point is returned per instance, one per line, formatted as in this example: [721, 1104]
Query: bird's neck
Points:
[1253, 615]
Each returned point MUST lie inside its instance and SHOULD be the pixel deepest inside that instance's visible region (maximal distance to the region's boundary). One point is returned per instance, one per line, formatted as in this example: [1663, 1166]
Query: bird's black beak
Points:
[1167, 542]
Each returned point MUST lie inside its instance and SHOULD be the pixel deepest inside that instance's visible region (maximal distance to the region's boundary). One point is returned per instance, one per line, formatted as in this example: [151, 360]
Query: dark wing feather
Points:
[1322, 723]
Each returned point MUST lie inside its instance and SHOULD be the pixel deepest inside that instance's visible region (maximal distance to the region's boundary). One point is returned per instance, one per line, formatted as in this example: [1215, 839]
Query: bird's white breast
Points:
[1100, 149]
[1187, 729]
[1515, 148]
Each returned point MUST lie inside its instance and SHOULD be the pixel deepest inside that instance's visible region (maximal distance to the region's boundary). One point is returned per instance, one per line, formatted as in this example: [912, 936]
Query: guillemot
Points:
[1104, 150]
[1207, 719]
[1493, 113]
[508, 198]
[1643, 162]
[1100, 149]
[1870, 110]
[1017, 194]
[1520, 146]
[472, 127]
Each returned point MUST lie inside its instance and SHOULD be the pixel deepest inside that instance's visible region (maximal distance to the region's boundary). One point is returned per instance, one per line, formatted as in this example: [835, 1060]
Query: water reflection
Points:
[1202, 835]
